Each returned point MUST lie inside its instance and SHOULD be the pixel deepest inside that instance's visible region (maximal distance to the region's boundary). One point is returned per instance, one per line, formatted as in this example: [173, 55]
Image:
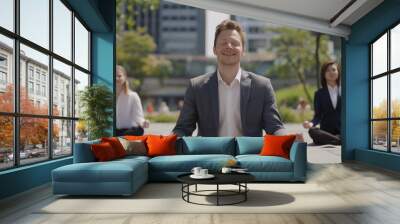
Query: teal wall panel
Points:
[103, 63]
[24, 178]
[90, 12]
[376, 158]
[103, 59]
[356, 85]
[356, 109]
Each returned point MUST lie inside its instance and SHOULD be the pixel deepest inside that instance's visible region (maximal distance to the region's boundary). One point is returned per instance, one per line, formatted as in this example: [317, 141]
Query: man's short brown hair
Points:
[229, 25]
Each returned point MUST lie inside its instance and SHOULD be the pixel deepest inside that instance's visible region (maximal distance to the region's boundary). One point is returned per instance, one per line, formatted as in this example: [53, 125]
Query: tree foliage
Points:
[295, 51]
[380, 127]
[126, 12]
[133, 49]
[158, 67]
[33, 130]
[135, 53]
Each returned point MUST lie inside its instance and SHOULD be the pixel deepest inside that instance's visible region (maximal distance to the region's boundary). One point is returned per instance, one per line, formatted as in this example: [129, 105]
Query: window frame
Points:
[16, 115]
[388, 74]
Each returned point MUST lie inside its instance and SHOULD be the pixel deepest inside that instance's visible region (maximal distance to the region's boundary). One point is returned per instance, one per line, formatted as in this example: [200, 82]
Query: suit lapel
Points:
[214, 98]
[245, 90]
[339, 102]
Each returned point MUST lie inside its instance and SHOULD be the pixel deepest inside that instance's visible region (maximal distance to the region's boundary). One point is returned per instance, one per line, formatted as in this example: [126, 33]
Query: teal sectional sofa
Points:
[125, 176]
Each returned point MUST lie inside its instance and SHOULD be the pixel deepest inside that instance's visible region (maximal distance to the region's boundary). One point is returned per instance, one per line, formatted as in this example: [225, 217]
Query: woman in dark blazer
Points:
[327, 106]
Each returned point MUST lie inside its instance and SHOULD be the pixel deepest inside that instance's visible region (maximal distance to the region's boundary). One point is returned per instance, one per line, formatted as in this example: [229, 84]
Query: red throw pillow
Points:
[277, 145]
[103, 151]
[159, 145]
[116, 145]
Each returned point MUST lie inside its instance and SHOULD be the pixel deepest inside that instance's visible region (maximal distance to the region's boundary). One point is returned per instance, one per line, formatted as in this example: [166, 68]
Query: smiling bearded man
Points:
[229, 101]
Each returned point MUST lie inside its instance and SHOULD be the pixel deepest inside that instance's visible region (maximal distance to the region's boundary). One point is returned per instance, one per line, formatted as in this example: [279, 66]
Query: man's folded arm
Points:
[186, 123]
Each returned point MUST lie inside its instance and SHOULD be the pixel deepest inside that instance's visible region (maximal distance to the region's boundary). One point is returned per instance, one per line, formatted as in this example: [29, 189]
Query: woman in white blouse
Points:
[130, 118]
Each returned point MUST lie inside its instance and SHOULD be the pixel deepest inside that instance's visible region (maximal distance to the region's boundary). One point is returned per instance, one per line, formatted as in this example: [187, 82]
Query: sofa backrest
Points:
[249, 145]
[190, 146]
[83, 153]
[206, 145]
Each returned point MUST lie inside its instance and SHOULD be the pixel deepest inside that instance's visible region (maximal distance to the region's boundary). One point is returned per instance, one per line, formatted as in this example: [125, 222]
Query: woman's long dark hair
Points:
[325, 67]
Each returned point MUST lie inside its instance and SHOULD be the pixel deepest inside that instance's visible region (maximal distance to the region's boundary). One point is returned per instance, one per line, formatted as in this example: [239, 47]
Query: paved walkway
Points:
[325, 154]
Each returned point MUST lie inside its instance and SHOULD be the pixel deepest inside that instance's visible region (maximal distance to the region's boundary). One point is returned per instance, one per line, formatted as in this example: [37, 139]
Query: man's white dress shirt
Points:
[229, 107]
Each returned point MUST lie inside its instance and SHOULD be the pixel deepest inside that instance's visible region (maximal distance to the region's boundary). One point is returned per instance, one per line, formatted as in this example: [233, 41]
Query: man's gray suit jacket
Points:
[257, 107]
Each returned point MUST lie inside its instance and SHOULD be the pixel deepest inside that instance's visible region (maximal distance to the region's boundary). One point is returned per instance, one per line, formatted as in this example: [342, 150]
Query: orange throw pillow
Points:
[275, 145]
[103, 151]
[116, 145]
[159, 145]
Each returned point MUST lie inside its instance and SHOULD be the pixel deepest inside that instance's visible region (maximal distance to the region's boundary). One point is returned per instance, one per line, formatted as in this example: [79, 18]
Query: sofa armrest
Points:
[83, 152]
[298, 155]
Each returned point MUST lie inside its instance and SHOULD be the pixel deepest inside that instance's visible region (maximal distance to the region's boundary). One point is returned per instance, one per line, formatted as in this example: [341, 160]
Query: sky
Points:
[395, 46]
[379, 59]
[35, 27]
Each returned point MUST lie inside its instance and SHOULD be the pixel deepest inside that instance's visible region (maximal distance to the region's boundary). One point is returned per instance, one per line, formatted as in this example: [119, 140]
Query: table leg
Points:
[182, 188]
[245, 191]
[188, 189]
[217, 194]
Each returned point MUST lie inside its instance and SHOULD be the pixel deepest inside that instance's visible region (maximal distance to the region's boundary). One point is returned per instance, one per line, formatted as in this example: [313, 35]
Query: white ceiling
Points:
[321, 9]
[313, 15]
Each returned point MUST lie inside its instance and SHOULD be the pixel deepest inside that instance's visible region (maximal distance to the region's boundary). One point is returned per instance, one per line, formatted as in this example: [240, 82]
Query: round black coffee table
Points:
[238, 179]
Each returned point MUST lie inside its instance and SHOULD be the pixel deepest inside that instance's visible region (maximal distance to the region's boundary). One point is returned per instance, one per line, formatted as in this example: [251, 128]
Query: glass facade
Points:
[385, 94]
[39, 124]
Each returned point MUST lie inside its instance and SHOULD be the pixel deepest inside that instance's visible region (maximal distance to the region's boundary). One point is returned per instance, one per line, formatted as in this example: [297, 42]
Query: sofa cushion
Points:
[185, 163]
[133, 158]
[111, 171]
[257, 163]
[83, 152]
[208, 145]
[249, 145]
[134, 147]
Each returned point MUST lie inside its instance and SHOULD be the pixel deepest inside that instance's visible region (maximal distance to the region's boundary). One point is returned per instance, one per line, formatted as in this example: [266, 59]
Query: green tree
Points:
[133, 49]
[97, 104]
[126, 12]
[157, 66]
[295, 51]
[134, 45]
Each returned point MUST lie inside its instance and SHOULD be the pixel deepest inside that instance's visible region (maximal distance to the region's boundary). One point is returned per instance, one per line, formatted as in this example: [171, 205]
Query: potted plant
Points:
[96, 102]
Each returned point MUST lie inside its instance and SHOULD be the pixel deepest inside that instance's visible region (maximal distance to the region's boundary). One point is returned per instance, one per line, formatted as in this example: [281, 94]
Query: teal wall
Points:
[99, 16]
[24, 178]
[377, 158]
[356, 85]
[103, 63]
